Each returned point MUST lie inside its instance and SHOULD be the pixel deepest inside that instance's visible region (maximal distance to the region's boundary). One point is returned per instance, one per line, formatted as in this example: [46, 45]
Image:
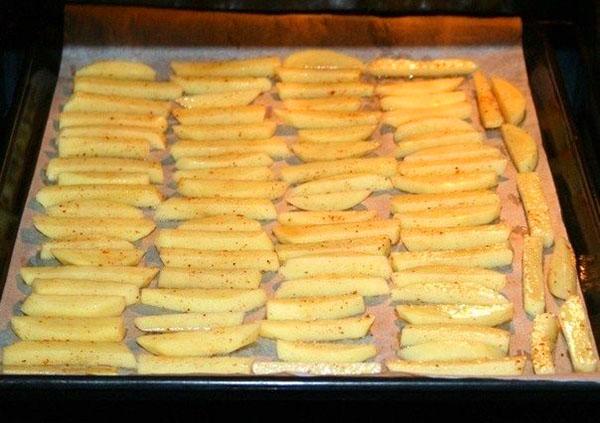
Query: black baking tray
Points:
[568, 129]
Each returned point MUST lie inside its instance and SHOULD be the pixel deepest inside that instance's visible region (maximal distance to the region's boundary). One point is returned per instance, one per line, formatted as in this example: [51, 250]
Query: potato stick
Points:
[266, 261]
[384, 166]
[68, 328]
[189, 208]
[510, 100]
[422, 101]
[543, 340]
[102, 164]
[562, 270]
[231, 189]
[533, 275]
[331, 104]
[159, 365]
[307, 119]
[118, 69]
[294, 351]
[226, 241]
[318, 330]
[152, 90]
[421, 202]
[214, 100]
[129, 148]
[340, 134]
[449, 216]
[204, 300]
[315, 308]
[453, 152]
[75, 119]
[324, 218]
[398, 117]
[297, 234]
[462, 314]
[248, 131]
[216, 84]
[274, 147]
[372, 245]
[69, 227]
[103, 178]
[536, 207]
[330, 201]
[447, 293]
[316, 369]
[336, 264]
[575, 329]
[184, 277]
[418, 334]
[427, 125]
[326, 286]
[59, 370]
[94, 208]
[521, 147]
[216, 341]
[444, 351]
[489, 111]
[226, 222]
[457, 238]
[156, 138]
[98, 256]
[69, 353]
[87, 102]
[450, 273]
[61, 286]
[413, 143]
[220, 115]
[437, 184]
[224, 160]
[491, 256]
[302, 75]
[420, 87]
[322, 59]
[449, 167]
[38, 305]
[252, 67]
[188, 321]
[138, 276]
[505, 366]
[258, 173]
[297, 90]
[312, 151]
[388, 67]
[84, 243]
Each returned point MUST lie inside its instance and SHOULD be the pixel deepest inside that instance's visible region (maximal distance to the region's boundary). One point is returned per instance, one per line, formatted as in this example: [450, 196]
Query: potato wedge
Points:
[84, 243]
[329, 201]
[155, 137]
[437, 184]
[336, 264]
[423, 101]
[413, 143]
[534, 301]
[489, 111]
[543, 340]
[562, 270]
[70, 119]
[505, 366]
[388, 67]
[315, 308]
[221, 115]
[384, 166]
[189, 208]
[344, 182]
[98, 256]
[128, 148]
[318, 330]
[70, 227]
[204, 300]
[159, 365]
[573, 322]
[94, 208]
[275, 148]
[453, 152]
[462, 314]
[309, 119]
[536, 207]
[450, 167]
[456, 238]
[419, 87]
[449, 273]
[254, 67]
[59, 370]
[418, 334]
[298, 234]
[87, 102]
[521, 146]
[138, 276]
[224, 160]
[104, 164]
[211, 240]
[450, 351]
[423, 202]
[324, 218]
[316, 369]
[184, 277]
[322, 59]
[339, 134]
[265, 261]
[373, 245]
[428, 125]
[63, 286]
[396, 118]
[188, 321]
[152, 90]
[331, 104]
[210, 342]
[321, 75]
[198, 188]
[321, 352]
[248, 131]
[221, 223]
[312, 151]
[255, 173]
[490, 256]
[327, 286]
[118, 69]
[98, 329]
[447, 293]
[447, 217]
[68, 353]
[103, 178]
[214, 100]
[510, 99]
[220, 84]
[39, 305]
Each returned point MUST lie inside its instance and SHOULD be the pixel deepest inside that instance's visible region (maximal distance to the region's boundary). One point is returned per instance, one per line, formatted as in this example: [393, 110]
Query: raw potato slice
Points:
[298, 234]
[489, 111]
[311, 352]
[188, 321]
[257, 173]
[84, 243]
[451, 167]
[428, 125]
[153, 90]
[138, 276]
[413, 143]
[543, 340]
[450, 351]
[534, 301]
[226, 241]
[87, 102]
[336, 264]
[204, 300]
[349, 182]
[343, 134]
[274, 147]
[505, 366]
[448, 293]
[85, 227]
[128, 148]
[457, 238]
[287, 74]
[420, 87]
[573, 322]
[521, 146]
[133, 195]
[206, 343]
[249, 131]
[510, 100]
[224, 160]
[326, 286]
[420, 202]
[59, 370]
[322, 59]
[63, 286]
[199, 188]
[422, 101]
[371, 245]
[94, 208]
[184, 277]
[496, 255]
[39, 305]
[315, 308]
[562, 270]
[316, 369]
[332, 104]
[325, 218]
[158, 365]
[453, 152]
[312, 152]
[220, 115]
[536, 207]
[189, 208]
[104, 164]
[118, 69]
[387, 67]
[222, 223]
[265, 261]
[216, 84]
[212, 100]
[437, 184]
[155, 138]
[384, 166]
[396, 118]
[462, 314]
[330, 201]
[98, 256]
[419, 334]
[308, 119]
[103, 178]
[297, 90]
[449, 216]
[318, 330]
[99, 329]
[255, 67]
[70, 119]
[68, 353]
[449, 273]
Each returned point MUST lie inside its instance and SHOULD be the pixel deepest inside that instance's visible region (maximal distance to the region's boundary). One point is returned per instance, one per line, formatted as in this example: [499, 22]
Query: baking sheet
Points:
[504, 60]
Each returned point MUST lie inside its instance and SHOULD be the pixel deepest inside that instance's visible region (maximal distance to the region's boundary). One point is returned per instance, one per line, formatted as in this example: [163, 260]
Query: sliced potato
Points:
[94, 208]
[419, 334]
[453, 152]
[450, 273]
[396, 118]
[98, 329]
[318, 330]
[104, 164]
[437, 184]
[213, 100]
[490, 256]
[373, 245]
[329, 201]
[266, 261]
[422, 101]
[63, 286]
[212, 240]
[331, 104]
[70, 227]
[185, 277]
[153, 90]
[422, 202]
[188, 321]
[384, 166]
[562, 270]
[462, 314]
[247, 131]
[536, 207]
[455, 238]
[336, 264]
[98, 256]
[327, 286]
[322, 59]
[315, 308]
[59, 370]
[128, 148]
[451, 167]
[427, 125]
[221, 115]
[413, 143]
[341, 183]
[447, 293]
[222, 223]
[189, 208]
[155, 138]
[138, 276]
[324, 218]
[274, 147]
[510, 100]
[231, 189]
[543, 340]
[220, 84]
[388, 67]
[321, 352]
[133, 195]
[103, 178]
[312, 151]
[204, 300]
[321, 75]
[450, 351]
[224, 160]
[255, 173]
[70, 119]
[118, 69]
[449, 216]
[39, 305]
[316, 369]
[255, 67]
[84, 243]
[521, 146]
[489, 111]
[159, 365]
[297, 234]
[87, 102]
[534, 301]
[339, 134]
[419, 87]
[308, 119]
[505, 366]
[573, 323]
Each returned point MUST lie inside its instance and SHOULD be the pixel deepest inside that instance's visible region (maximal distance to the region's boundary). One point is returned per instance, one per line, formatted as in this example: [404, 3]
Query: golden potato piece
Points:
[118, 69]
[339, 134]
[199, 188]
[138, 276]
[505, 366]
[450, 351]
[213, 100]
[573, 322]
[153, 90]
[423, 101]
[312, 151]
[451, 167]
[521, 146]
[103, 178]
[562, 270]
[463, 314]
[437, 184]
[331, 285]
[315, 308]
[543, 340]
[39, 305]
[190, 208]
[322, 352]
[328, 201]
[220, 84]
[316, 369]
[98, 329]
[61, 196]
[388, 67]
[489, 111]
[88, 102]
[384, 166]
[322, 59]
[211, 240]
[159, 365]
[148, 120]
[534, 301]
[331, 104]
[418, 87]
[496, 255]
[265, 261]
[221, 223]
[413, 143]
[446, 217]
[251, 67]
[188, 321]
[94, 208]
[427, 125]
[318, 330]
[321, 75]
[419, 334]
[454, 238]
[246, 131]
[379, 245]
[298, 234]
[241, 173]
[220, 115]
[453, 152]
[71, 227]
[64, 286]
[224, 160]
[447, 293]
[104, 164]
[309, 119]
[347, 264]
[274, 147]
[344, 183]
[85, 243]
[98, 256]
[510, 100]
[155, 137]
[536, 207]
[450, 273]
[425, 202]
[185, 277]
[399, 117]
[128, 148]
[324, 218]
[59, 370]
[204, 300]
